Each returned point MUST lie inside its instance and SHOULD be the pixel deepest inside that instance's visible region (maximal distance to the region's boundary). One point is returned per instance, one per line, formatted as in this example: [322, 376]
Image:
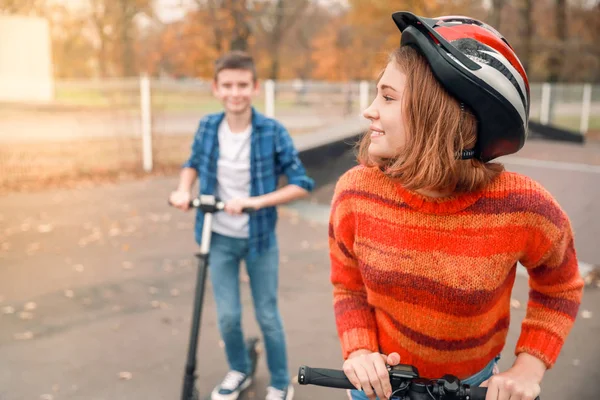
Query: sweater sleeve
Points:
[556, 286]
[355, 318]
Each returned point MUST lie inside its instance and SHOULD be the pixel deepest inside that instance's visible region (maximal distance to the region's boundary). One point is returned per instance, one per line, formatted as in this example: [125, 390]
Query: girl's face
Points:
[385, 113]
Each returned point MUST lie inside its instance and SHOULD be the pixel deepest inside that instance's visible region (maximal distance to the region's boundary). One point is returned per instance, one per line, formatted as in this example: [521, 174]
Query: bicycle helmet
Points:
[477, 66]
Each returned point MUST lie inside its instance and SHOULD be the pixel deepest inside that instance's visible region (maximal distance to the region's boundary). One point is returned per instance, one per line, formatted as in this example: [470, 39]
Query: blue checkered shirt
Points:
[272, 154]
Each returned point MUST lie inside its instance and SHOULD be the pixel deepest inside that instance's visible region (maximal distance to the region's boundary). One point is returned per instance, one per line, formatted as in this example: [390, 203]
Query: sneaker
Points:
[231, 387]
[276, 394]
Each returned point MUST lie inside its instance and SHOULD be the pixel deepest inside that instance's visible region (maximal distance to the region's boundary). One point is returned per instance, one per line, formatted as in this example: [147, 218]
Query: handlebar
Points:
[211, 204]
[405, 381]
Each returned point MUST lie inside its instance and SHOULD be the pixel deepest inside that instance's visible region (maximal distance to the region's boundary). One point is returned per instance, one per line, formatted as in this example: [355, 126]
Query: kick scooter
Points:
[209, 205]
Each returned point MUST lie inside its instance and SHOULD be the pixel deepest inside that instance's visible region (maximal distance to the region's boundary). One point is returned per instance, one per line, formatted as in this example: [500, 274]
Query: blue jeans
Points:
[226, 253]
[474, 380]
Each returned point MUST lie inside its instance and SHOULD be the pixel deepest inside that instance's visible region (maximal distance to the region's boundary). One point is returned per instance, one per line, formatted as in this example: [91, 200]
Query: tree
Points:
[21, 7]
[280, 19]
[556, 59]
[494, 18]
[114, 25]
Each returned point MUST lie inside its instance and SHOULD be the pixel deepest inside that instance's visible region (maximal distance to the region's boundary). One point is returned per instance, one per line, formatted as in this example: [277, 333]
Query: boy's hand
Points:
[368, 372]
[520, 382]
[180, 199]
[235, 206]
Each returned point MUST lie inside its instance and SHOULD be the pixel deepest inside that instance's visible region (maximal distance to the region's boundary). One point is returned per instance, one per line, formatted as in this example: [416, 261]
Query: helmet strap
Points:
[470, 153]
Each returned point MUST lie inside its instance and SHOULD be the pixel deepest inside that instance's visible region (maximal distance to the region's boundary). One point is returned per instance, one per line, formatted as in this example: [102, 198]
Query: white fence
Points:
[95, 127]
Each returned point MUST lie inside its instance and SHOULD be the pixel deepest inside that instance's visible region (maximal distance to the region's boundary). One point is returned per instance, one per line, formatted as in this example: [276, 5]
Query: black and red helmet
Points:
[477, 66]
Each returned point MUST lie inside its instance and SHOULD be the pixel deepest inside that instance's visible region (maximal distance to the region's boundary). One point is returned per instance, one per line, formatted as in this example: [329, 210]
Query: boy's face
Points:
[235, 88]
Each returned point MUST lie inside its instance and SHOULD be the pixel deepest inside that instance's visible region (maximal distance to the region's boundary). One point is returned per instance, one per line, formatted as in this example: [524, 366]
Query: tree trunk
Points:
[276, 37]
[241, 29]
[127, 55]
[528, 32]
[495, 13]
[216, 24]
[555, 61]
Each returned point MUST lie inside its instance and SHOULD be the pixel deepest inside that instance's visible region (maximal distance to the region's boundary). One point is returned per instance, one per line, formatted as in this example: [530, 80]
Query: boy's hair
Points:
[437, 130]
[235, 59]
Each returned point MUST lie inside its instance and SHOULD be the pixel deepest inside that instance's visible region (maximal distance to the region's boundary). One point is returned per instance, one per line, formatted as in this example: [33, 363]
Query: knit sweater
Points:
[431, 278]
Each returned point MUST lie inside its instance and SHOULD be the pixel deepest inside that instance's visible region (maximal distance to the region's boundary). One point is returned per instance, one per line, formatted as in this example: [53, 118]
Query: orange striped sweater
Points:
[431, 279]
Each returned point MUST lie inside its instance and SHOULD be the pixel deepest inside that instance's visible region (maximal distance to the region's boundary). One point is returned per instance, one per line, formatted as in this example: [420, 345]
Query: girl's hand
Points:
[521, 382]
[368, 372]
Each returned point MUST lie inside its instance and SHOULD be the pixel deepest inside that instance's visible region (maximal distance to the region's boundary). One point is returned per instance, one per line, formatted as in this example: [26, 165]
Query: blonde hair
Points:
[438, 129]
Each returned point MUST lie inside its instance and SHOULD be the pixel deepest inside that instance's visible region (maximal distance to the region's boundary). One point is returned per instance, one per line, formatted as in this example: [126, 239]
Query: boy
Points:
[239, 155]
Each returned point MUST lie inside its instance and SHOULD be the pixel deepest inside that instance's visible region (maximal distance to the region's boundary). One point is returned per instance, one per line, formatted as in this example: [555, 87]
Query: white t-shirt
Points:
[233, 178]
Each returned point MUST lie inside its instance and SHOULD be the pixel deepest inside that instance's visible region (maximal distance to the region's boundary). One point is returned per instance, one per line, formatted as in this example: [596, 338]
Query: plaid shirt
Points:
[272, 153]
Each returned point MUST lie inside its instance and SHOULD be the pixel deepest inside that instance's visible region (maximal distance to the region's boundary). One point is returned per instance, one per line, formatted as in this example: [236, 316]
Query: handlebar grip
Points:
[334, 378]
[248, 210]
[478, 393]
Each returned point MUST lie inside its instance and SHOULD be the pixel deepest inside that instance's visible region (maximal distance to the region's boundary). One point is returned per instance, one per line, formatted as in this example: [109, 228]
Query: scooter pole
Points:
[209, 205]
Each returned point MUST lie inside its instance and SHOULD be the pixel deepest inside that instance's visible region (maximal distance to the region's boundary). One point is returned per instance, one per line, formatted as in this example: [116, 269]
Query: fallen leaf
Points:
[586, 314]
[56, 388]
[78, 268]
[69, 293]
[24, 335]
[174, 292]
[33, 247]
[576, 362]
[305, 244]
[47, 396]
[8, 310]
[25, 227]
[221, 344]
[186, 262]
[514, 303]
[25, 315]
[155, 304]
[125, 375]
[125, 247]
[152, 290]
[114, 232]
[127, 265]
[30, 306]
[45, 228]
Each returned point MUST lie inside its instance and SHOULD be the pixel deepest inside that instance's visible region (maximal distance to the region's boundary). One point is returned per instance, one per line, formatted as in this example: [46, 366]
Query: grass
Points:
[162, 100]
[572, 122]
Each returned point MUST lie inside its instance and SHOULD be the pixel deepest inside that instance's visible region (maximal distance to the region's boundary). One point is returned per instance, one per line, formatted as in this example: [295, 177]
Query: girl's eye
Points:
[387, 98]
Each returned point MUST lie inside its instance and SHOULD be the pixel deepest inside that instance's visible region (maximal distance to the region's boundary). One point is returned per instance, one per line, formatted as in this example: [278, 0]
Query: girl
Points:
[426, 233]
